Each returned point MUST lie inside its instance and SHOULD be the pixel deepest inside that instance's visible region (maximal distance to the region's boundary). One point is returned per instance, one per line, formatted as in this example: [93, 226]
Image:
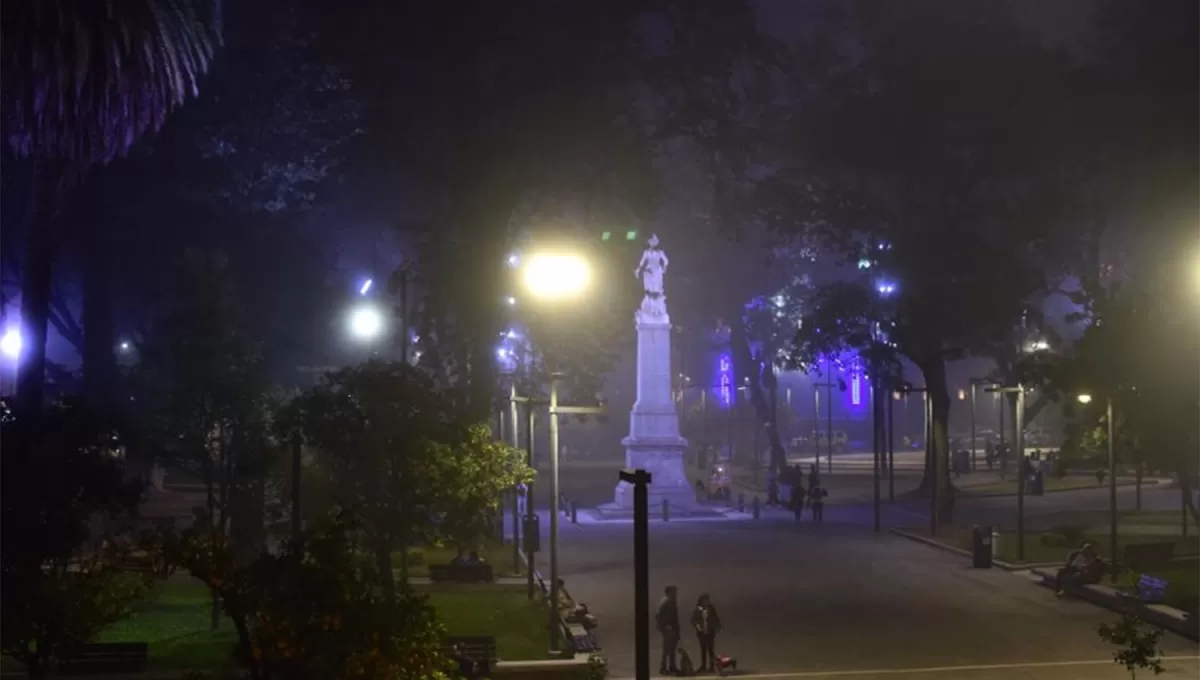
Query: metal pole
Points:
[931, 453]
[891, 447]
[1112, 489]
[297, 447]
[515, 439]
[816, 433]
[529, 504]
[404, 313]
[974, 465]
[829, 423]
[704, 420]
[876, 440]
[554, 515]
[641, 572]
[1019, 435]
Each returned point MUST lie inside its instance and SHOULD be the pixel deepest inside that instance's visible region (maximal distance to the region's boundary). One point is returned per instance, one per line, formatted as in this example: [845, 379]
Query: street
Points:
[832, 600]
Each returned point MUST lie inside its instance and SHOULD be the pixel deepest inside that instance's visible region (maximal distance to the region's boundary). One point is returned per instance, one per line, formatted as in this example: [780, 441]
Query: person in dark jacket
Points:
[707, 624]
[667, 621]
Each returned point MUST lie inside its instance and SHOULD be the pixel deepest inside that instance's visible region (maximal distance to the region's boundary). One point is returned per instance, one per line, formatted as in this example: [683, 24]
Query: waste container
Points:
[531, 533]
[1037, 483]
[981, 547]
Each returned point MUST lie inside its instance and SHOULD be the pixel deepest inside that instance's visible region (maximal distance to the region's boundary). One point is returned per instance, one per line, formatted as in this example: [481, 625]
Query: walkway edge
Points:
[1007, 566]
[1160, 615]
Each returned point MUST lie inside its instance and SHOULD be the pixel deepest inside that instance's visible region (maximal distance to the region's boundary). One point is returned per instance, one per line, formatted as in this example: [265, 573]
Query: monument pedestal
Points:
[654, 444]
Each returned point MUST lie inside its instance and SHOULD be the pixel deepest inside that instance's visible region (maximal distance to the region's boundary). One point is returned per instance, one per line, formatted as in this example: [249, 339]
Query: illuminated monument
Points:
[654, 443]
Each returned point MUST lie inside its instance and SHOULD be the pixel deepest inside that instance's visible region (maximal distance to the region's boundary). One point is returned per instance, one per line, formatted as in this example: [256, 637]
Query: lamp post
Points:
[555, 277]
[938, 472]
[1112, 478]
[1019, 436]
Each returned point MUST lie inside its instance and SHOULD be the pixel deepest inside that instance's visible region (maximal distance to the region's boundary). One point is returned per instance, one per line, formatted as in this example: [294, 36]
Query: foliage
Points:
[472, 477]
[85, 80]
[374, 428]
[345, 625]
[1137, 643]
[57, 592]
[597, 667]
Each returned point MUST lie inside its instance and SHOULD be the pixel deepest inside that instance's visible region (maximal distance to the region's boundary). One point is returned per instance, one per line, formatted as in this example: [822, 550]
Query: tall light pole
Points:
[1112, 478]
[1019, 436]
[555, 277]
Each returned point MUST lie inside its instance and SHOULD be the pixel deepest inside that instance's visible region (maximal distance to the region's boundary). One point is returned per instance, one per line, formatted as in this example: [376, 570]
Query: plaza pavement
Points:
[834, 601]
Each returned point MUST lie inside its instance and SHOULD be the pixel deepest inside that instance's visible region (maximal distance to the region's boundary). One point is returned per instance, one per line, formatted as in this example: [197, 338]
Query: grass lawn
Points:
[498, 554]
[175, 621]
[1067, 483]
[519, 626]
[1183, 584]
[1043, 547]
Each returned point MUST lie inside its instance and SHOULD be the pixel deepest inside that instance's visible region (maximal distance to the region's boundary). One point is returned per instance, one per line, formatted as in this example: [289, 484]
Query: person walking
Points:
[816, 500]
[667, 621]
[707, 624]
[798, 502]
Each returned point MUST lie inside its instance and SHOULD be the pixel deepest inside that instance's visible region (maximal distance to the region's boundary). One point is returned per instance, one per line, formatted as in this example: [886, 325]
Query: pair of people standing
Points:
[704, 620]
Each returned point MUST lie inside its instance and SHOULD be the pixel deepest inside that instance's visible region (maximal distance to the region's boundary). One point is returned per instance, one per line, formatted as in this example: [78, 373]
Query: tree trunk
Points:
[763, 377]
[938, 447]
[383, 563]
[99, 357]
[36, 278]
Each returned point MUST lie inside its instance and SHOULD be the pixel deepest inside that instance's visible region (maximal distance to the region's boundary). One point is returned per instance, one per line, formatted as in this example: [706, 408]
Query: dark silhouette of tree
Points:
[83, 83]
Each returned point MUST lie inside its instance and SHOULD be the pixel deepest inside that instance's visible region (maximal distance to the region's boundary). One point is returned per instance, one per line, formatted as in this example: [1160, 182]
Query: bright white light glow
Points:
[886, 288]
[780, 301]
[864, 263]
[510, 334]
[501, 353]
[1084, 398]
[365, 287]
[365, 322]
[511, 301]
[125, 346]
[557, 276]
[513, 259]
[1039, 346]
[11, 343]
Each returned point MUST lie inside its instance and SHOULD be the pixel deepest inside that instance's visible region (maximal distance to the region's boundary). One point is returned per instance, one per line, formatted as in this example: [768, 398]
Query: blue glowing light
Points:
[725, 380]
[885, 288]
[864, 263]
[11, 343]
[856, 391]
[366, 286]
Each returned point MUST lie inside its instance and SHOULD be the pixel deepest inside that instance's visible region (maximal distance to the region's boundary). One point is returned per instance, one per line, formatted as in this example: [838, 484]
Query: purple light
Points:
[885, 288]
[11, 343]
[725, 379]
[856, 391]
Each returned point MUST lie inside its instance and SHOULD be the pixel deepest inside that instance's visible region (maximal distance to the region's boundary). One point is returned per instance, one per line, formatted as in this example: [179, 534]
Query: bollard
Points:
[741, 502]
[756, 507]
[574, 513]
[666, 510]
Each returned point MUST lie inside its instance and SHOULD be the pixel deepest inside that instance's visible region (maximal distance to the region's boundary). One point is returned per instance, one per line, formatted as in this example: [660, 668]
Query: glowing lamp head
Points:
[365, 287]
[1084, 398]
[366, 322]
[556, 276]
[10, 343]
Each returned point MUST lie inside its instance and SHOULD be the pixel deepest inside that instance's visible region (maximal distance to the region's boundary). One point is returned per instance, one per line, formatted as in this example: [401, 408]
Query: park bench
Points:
[474, 655]
[105, 657]
[1141, 556]
[477, 572]
[581, 640]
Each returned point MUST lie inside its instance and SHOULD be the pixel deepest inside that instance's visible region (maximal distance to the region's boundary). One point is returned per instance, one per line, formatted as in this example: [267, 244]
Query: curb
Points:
[1163, 616]
[1007, 566]
[1013, 494]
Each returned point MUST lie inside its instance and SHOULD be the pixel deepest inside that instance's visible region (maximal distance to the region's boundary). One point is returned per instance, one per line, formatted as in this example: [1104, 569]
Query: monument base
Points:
[663, 459]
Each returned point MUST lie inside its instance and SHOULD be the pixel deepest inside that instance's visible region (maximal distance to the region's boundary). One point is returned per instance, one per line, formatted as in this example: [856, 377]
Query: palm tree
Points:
[83, 81]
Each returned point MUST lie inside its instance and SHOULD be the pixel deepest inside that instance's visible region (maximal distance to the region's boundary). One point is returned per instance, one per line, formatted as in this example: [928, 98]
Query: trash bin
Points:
[1037, 483]
[981, 547]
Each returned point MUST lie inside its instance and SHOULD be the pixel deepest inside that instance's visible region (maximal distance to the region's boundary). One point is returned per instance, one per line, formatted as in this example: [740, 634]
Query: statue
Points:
[651, 269]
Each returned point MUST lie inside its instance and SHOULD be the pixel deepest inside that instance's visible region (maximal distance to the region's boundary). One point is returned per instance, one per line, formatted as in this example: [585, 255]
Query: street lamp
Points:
[1019, 422]
[11, 343]
[554, 277]
[1085, 399]
[366, 322]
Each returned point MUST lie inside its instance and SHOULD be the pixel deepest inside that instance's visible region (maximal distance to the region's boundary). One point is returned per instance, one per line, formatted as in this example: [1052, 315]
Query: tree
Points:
[84, 83]
[201, 394]
[376, 429]
[59, 591]
[316, 611]
[472, 477]
[926, 167]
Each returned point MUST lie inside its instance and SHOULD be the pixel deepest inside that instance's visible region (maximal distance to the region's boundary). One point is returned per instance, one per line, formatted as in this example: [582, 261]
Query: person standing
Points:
[707, 624]
[816, 500]
[667, 621]
[798, 502]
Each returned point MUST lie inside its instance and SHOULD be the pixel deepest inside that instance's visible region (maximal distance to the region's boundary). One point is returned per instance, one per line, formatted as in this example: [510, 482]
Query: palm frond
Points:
[83, 80]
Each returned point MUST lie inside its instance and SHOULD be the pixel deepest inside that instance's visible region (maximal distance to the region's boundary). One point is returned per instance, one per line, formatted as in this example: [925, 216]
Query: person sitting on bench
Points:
[1082, 566]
